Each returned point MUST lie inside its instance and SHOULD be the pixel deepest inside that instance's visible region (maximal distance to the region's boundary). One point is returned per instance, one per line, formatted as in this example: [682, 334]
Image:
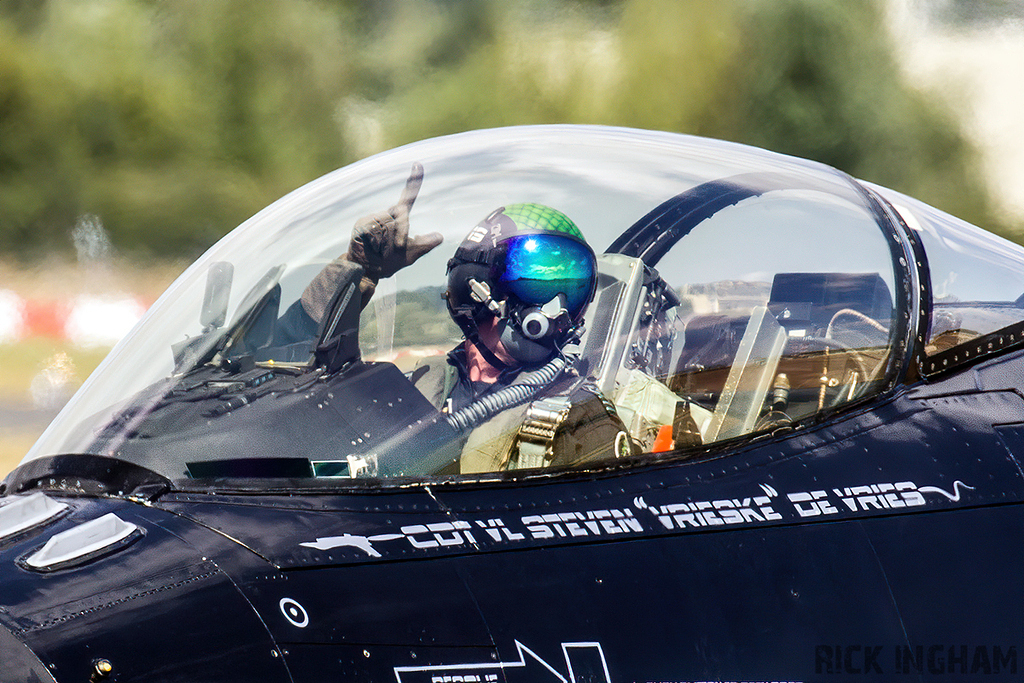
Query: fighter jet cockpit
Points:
[390, 425]
[572, 301]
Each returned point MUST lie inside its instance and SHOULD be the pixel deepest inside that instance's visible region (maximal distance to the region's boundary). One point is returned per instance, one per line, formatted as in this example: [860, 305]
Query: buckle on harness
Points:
[536, 436]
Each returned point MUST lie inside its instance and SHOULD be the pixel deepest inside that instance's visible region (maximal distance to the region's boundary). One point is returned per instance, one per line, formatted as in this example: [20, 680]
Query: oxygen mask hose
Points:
[526, 386]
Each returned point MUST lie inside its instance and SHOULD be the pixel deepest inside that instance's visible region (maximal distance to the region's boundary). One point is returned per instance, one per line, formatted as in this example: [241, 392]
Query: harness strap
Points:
[536, 436]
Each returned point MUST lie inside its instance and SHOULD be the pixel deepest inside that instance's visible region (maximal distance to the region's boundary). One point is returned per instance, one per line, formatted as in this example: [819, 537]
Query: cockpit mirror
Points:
[215, 300]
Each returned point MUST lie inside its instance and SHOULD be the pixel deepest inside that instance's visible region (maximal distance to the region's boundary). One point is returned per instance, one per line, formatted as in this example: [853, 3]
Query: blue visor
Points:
[539, 267]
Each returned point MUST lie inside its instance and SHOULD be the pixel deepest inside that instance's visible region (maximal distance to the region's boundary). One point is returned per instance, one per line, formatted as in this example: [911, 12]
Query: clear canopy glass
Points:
[748, 290]
[977, 278]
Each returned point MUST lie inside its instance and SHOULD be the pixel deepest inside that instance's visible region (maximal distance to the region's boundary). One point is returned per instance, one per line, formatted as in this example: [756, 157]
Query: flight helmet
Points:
[530, 267]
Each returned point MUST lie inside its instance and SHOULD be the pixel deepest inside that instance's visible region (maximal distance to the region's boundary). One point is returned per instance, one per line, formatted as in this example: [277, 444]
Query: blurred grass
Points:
[13, 447]
[21, 363]
[21, 420]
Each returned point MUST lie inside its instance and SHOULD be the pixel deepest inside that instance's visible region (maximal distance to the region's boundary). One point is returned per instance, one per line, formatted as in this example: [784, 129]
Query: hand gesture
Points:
[381, 242]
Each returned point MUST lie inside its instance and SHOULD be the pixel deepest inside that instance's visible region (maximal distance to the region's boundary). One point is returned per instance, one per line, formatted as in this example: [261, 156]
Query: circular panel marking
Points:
[294, 613]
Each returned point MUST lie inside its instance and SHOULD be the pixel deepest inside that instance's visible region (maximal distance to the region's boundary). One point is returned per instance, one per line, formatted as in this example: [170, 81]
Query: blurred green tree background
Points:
[174, 121]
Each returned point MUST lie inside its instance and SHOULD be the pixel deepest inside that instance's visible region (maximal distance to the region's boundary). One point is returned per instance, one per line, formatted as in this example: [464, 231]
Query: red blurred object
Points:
[45, 318]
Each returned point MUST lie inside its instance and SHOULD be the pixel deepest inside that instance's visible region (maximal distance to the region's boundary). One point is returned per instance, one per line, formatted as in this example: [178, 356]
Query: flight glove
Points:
[381, 242]
[380, 245]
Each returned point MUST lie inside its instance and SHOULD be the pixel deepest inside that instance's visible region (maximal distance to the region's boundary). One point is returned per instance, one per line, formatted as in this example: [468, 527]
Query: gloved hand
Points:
[381, 242]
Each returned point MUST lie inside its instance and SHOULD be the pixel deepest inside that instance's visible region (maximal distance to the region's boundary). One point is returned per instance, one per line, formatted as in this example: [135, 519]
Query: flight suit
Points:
[591, 431]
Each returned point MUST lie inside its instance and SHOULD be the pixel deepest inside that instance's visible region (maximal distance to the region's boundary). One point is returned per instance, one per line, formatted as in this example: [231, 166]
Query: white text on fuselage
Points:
[707, 513]
[536, 527]
[886, 496]
[670, 516]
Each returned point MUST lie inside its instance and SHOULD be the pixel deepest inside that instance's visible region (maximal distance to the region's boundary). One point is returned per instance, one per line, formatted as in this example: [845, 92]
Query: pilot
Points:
[518, 286]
